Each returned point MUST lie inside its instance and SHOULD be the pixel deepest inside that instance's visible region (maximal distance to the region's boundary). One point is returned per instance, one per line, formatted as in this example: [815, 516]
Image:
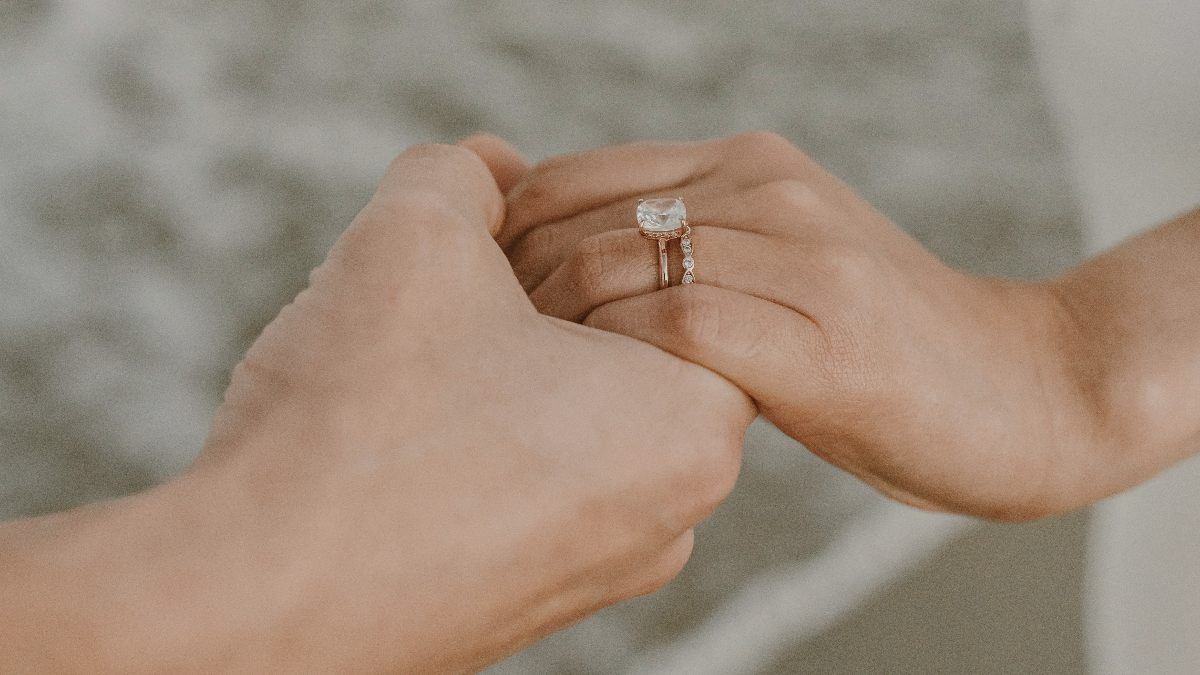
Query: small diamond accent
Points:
[688, 278]
[689, 264]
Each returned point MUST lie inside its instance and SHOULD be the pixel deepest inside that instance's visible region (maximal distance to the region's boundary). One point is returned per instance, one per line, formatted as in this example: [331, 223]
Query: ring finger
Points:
[761, 208]
[620, 264]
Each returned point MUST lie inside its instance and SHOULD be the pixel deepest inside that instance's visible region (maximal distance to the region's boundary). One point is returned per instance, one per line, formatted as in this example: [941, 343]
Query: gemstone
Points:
[688, 278]
[689, 264]
[661, 215]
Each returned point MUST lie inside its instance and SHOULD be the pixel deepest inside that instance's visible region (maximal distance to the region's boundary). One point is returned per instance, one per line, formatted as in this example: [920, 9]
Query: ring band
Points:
[689, 263]
[662, 220]
[664, 274]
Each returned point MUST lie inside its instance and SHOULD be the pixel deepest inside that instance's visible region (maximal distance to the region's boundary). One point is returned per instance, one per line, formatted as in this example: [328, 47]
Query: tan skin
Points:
[412, 471]
[998, 398]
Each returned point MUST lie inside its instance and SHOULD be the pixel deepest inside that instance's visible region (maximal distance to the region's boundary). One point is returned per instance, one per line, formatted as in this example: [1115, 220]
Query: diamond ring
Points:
[662, 220]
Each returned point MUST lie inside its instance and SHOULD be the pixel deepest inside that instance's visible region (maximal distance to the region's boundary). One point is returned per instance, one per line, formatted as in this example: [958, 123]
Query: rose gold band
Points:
[664, 274]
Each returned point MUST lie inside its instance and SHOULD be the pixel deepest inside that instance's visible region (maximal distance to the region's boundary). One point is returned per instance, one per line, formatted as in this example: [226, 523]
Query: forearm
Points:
[158, 582]
[1136, 312]
[234, 568]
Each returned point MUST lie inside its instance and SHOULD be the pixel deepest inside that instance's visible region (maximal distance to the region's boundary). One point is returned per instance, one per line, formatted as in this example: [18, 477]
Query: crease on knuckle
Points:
[531, 250]
[694, 320]
[590, 266]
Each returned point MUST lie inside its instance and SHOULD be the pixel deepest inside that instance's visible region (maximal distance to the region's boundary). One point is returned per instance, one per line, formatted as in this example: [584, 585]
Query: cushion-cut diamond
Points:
[661, 215]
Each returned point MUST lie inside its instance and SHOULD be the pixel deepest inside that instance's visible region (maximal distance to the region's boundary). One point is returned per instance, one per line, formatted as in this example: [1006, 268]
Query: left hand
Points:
[944, 390]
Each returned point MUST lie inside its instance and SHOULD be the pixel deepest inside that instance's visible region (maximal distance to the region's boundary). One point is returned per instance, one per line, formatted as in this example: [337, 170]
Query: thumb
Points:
[430, 217]
[506, 163]
[771, 352]
[447, 178]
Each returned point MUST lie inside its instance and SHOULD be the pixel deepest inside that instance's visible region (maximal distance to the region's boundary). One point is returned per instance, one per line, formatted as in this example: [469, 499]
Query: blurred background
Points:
[170, 171]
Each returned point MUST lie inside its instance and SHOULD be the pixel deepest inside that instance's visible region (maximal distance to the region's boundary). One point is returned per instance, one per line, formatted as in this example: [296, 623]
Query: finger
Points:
[506, 163]
[449, 179]
[563, 186]
[535, 255]
[428, 221]
[569, 184]
[789, 207]
[775, 354]
[659, 568]
[621, 264]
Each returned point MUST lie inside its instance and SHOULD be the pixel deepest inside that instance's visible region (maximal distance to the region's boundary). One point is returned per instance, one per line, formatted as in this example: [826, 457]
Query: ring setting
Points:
[663, 219]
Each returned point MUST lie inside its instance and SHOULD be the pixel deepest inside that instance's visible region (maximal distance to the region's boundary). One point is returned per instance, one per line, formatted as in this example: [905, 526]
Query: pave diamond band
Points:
[689, 263]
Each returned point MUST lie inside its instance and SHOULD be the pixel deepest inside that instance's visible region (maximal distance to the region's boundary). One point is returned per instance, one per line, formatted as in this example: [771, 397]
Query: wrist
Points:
[1137, 427]
[1054, 426]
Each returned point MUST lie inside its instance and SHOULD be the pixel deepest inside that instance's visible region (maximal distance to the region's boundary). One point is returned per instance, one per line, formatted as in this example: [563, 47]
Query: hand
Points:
[941, 389]
[412, 471]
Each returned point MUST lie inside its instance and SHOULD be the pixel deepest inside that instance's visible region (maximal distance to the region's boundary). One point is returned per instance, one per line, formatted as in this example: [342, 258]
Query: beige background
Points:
[170, 171]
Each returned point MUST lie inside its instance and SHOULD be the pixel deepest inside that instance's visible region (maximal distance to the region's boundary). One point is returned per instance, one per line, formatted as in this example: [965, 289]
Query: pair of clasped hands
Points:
[482, 420]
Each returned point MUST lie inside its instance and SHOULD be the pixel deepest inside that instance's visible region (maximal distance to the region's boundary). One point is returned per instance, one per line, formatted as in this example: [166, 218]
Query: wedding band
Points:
[663, 219]
[689, 263]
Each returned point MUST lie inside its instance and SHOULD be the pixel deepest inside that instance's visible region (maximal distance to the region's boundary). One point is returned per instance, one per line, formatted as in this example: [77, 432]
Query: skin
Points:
[1003, 399]
[412, 471]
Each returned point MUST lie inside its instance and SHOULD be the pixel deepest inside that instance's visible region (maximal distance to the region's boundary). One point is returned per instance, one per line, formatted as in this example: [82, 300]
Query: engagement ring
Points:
[662, 220]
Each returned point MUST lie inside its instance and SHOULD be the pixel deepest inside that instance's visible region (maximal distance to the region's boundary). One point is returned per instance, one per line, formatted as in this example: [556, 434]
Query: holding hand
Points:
[941, 389]
[413, 471]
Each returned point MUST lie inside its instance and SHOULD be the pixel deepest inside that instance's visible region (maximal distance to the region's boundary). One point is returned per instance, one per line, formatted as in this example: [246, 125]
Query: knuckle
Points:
[714, 474]
[424, 217]
[596, 246]
[763, 142]
[850, 269]
[533, 249]
[693, 319]
[484, 138]
[537, 242]
[792, 196]
[667, 566]
[417, 204]
[436, 152]
[547, 168]
[540, 184]
[590, 263]
[706, 471]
